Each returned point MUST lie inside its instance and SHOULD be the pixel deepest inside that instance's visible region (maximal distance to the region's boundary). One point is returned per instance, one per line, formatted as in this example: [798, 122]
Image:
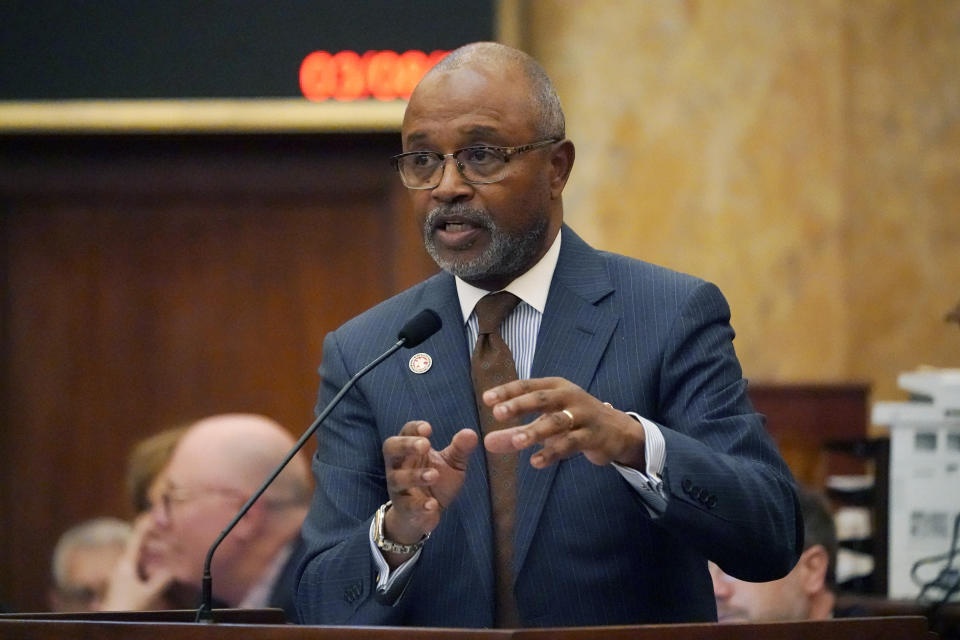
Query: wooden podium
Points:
[245, 625]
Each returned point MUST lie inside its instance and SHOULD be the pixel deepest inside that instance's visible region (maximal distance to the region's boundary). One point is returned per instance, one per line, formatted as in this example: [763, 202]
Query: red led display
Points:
[346, 75]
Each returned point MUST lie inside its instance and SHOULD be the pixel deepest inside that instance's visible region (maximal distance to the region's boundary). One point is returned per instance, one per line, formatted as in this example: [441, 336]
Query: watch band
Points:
[389, 545]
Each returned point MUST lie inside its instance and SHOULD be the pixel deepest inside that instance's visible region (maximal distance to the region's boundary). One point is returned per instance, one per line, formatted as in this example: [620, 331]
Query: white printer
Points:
[924, 481]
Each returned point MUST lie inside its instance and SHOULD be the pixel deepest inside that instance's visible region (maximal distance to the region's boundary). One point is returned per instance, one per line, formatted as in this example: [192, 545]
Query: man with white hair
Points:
[217, 465]
[83, 560]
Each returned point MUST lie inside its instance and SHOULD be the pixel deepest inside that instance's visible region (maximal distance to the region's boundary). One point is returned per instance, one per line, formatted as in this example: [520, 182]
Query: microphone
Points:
[416, 330]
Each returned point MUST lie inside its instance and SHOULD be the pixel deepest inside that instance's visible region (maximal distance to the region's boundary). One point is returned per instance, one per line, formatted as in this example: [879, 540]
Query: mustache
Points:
[477, 217]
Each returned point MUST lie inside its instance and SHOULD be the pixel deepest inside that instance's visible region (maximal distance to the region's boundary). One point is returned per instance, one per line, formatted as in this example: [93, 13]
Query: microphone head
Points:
[419, 328]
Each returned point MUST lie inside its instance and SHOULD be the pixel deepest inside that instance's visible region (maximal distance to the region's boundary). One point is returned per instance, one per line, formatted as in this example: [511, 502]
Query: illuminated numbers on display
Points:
[346, 75]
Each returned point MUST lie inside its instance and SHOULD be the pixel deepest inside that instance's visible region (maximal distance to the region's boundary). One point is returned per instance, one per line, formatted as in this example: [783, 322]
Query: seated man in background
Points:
[83, 559]
[140, 580]
[218, 463]
[806, 593]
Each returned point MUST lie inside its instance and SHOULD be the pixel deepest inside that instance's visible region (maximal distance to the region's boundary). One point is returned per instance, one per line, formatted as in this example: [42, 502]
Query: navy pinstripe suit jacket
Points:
[586, 551]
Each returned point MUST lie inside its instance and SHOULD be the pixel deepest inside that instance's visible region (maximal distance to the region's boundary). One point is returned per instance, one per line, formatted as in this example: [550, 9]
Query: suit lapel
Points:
[574, 334]
[444, 397]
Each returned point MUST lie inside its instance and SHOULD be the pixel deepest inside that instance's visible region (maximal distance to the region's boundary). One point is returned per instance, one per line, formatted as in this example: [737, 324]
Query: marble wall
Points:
[805, 156]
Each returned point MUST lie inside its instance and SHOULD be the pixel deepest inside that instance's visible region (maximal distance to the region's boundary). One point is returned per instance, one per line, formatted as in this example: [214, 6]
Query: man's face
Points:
[88, 571]
[485, 233]
[188, 513]
[740, 601]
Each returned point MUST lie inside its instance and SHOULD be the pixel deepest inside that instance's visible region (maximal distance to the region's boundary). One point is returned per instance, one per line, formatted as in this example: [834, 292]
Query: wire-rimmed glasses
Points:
[479, 164]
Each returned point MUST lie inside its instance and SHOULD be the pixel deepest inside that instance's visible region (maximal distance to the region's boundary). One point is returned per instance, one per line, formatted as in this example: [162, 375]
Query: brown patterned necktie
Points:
[493, 365]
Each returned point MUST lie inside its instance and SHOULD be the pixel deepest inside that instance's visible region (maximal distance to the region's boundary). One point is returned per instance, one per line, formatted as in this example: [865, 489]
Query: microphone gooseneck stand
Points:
[419, 328]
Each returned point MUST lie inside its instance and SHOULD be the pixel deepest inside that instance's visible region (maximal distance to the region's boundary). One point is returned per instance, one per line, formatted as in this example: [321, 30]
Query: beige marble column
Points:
[901, 234]
[805, 156]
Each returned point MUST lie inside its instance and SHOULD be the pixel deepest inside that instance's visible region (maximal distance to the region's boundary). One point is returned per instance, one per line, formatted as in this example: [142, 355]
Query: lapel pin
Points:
[421, 363]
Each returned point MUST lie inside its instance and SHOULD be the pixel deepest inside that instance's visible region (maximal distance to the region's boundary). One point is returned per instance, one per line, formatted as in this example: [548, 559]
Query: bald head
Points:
[239, 451]
[498, 59]
[488, 229]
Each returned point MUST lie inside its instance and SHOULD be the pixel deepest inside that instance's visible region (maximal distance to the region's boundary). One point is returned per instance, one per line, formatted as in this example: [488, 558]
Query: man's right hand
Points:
[422, 481]
[128, 590]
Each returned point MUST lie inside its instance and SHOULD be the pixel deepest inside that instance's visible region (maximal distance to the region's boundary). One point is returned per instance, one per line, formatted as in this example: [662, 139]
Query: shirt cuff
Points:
[390, 584]
[648, 483]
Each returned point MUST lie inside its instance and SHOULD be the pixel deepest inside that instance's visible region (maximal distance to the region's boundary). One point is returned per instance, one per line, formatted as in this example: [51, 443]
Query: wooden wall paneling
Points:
[6, 445]
[149, 281]
[802, 417]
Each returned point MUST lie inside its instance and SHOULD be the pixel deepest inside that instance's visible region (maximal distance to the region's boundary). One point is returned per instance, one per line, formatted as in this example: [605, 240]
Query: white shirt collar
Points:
[531, 286]
[258, 596]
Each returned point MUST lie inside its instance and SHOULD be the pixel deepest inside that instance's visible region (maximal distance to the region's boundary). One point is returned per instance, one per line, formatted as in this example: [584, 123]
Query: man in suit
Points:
[629, 453]
[217, 464]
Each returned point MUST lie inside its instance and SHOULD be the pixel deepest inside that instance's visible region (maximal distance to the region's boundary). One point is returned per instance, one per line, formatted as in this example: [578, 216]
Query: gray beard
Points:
[506, 255]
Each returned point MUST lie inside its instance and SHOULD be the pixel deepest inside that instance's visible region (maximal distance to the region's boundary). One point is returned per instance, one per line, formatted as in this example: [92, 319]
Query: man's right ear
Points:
[814, 562]
[561, 163]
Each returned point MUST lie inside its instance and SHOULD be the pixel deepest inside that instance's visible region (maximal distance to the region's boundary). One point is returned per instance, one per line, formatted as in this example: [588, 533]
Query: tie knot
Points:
[493, 308]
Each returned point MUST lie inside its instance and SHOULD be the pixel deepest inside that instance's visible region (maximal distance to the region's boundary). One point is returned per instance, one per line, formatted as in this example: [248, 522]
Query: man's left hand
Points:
[570, 421]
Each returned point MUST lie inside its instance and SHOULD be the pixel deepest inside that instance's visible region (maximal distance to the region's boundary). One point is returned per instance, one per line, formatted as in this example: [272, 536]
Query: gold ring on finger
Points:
[569, 415]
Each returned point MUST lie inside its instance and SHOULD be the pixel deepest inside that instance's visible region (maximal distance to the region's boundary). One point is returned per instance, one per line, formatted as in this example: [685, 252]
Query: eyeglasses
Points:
[477, 165]
[173, 495]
